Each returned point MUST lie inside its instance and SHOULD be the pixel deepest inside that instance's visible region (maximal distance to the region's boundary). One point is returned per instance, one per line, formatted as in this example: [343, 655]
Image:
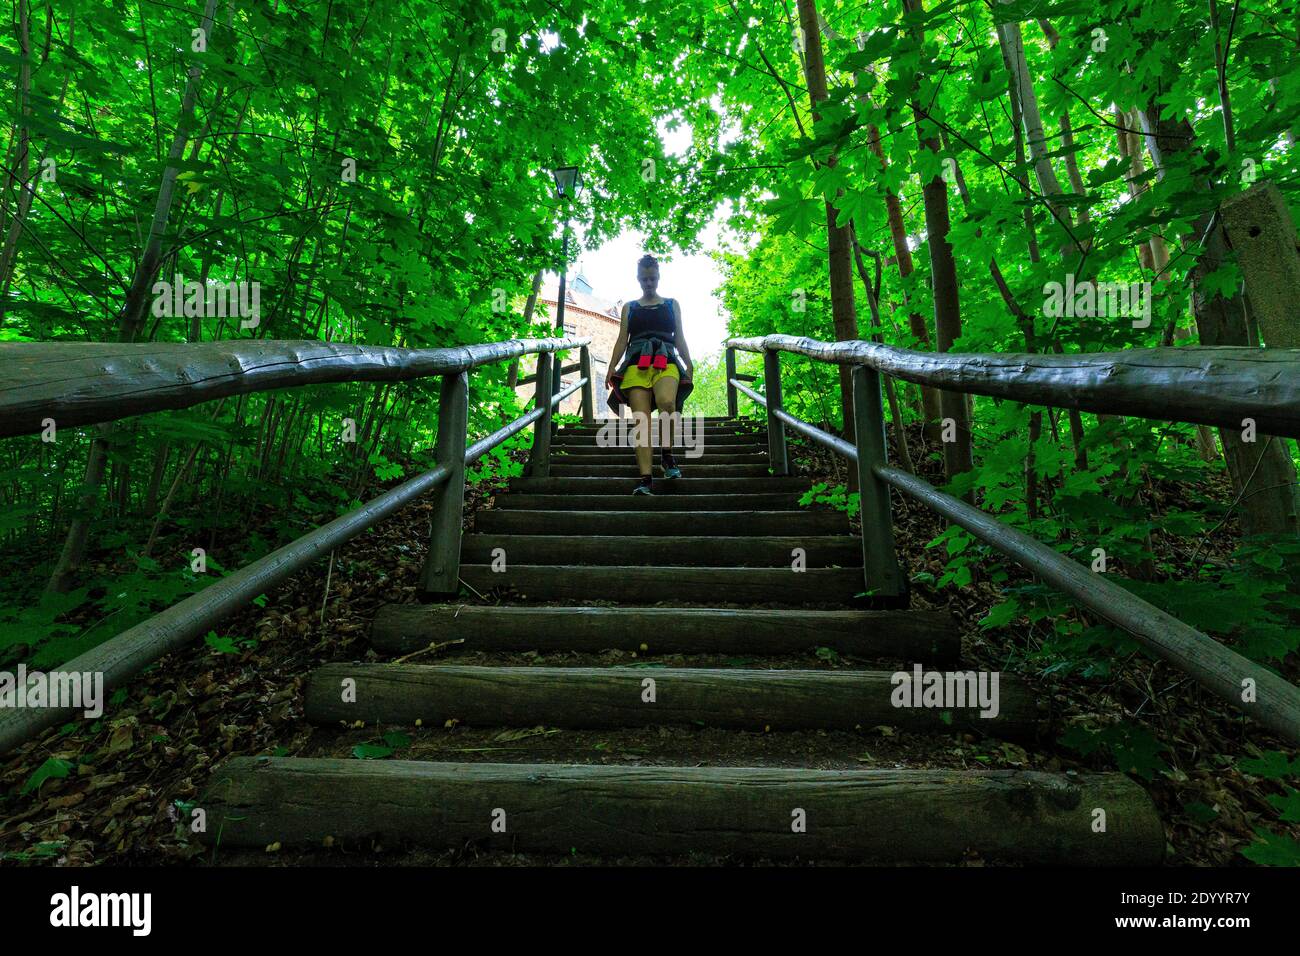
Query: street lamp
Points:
[568, 183]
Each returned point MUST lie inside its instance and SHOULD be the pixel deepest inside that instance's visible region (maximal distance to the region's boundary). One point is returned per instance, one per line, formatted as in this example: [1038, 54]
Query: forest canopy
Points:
[966, 176]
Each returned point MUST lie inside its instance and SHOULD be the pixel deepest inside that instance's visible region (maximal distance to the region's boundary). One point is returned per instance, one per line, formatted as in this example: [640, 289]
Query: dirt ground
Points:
[152, 753]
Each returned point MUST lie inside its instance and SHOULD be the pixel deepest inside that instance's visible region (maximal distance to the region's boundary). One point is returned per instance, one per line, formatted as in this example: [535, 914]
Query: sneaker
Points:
[644, 486]
[672, 471]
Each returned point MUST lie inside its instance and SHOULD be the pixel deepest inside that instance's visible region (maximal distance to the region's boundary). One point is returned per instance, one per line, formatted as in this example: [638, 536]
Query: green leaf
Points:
[1001, 614]
[1272, 849]
[52, 768]
[222, 645]
[1272, 764]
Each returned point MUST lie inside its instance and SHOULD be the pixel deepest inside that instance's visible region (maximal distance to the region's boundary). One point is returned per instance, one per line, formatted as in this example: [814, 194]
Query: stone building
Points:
[585, 315]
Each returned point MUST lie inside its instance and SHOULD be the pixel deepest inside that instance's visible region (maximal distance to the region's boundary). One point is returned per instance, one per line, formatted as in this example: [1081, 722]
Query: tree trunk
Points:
[137, 298]
[24, 178]
[843, 310]
[887, 381]
[903, 257]
[74, 545]
[1263, 475]
[957, 454]
[156, 478]
[136, 306]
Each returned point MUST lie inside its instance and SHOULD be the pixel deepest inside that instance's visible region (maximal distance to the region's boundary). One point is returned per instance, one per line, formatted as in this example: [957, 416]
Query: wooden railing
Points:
[1213, 386]
[85, 383]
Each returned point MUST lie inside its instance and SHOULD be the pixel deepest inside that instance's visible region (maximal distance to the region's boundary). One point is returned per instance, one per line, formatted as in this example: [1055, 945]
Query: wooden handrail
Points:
[85, 383]
[124, 655]
[1275, 702]
[1206, 386]
[532, 379]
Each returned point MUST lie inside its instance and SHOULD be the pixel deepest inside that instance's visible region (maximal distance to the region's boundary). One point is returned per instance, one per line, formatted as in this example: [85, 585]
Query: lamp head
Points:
[568, 181]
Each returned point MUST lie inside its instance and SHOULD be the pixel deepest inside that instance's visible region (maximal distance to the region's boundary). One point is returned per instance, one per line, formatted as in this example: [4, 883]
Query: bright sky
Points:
[690, 279]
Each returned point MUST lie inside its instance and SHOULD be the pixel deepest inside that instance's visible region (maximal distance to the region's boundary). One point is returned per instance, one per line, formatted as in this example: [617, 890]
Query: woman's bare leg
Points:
[640, 401]
[666, 402]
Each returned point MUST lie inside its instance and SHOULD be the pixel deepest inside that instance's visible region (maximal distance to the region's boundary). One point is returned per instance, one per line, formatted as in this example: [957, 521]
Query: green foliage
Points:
[1272, 848]
[836, 497]
[451, 128]
[393, 741]
[1133, 748]
[53, 768]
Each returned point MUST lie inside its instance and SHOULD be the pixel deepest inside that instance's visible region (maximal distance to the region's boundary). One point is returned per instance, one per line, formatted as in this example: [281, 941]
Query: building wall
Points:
[603, 331]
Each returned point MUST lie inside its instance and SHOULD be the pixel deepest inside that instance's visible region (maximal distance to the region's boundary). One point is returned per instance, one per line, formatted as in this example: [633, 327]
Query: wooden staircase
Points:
[704, 568]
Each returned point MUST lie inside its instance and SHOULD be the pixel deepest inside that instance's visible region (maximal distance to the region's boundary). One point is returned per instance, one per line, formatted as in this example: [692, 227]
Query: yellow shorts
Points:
[646, 377]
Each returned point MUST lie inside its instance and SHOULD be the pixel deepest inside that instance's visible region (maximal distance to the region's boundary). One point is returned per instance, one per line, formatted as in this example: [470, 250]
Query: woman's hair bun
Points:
[646, 261]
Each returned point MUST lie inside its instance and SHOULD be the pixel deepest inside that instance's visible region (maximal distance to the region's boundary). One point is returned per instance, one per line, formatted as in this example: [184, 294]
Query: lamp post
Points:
[568, 183]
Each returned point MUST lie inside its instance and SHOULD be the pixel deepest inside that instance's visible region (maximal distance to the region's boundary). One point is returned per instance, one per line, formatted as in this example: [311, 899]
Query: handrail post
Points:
[588, 393]
[441, 574]
[881, 572]
[732, 410]
[539, 457]
[557, 382]
[775, 428]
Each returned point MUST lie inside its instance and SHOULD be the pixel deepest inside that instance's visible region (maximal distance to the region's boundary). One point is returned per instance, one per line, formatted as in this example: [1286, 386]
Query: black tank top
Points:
[659, 319]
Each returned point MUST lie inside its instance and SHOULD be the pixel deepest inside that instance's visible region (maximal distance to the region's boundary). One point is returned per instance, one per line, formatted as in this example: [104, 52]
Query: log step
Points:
[626, 467]
[900, 816]
[707, 441]
[627, 501]
[625, 456]
[649, 585]
[687, 485]
[661, 522]
[843, 551]
[689, 426]
[708, 421]
[930, 637]
[750, 448]
[706, 435]
[590, 697]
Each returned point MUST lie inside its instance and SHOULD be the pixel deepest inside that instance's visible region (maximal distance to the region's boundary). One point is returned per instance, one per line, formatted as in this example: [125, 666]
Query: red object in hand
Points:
[643, 362]
[661, 361]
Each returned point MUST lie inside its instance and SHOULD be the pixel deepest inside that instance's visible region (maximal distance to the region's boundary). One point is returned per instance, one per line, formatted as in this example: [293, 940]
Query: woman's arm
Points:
[620, 345]
[680, 339]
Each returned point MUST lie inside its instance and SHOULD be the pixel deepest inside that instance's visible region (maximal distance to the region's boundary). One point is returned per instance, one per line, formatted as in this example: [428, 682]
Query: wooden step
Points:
[707, 422]
[805, 521]
[775, 501]
[752, 449]
[702, 440]
[709, 428]
[844, 551]
[729, 698]
[900, 816]
[651, 585]
[627, 468]
[687, 485]
[707, 419]
[625, 456]
[930, 637]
